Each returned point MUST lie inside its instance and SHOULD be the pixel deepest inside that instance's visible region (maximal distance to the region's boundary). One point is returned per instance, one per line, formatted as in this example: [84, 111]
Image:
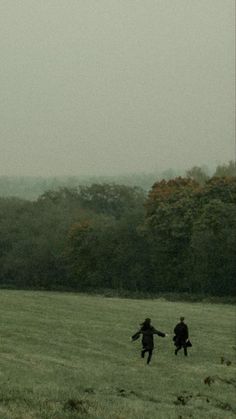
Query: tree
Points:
[107, 253]
[171, 208]
[226, 170]
[213, 246]
[167, 192]
[112, 199]
[222, 188]
[198, 174]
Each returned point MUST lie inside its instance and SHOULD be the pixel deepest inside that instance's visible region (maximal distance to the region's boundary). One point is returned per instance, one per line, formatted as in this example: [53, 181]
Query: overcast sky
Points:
[115, 86]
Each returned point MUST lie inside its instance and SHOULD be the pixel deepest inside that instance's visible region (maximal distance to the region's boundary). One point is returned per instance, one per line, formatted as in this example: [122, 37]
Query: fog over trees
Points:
[180, 236]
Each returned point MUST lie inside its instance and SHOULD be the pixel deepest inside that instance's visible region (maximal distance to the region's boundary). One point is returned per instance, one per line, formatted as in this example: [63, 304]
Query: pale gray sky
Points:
[115, 86]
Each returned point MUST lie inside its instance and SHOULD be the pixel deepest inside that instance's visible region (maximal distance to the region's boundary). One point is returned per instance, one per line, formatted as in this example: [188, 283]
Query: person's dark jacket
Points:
[147, 336]
[181, 334]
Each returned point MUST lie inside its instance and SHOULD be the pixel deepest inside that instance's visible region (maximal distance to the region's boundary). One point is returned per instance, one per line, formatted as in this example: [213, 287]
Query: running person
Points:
[147, 331]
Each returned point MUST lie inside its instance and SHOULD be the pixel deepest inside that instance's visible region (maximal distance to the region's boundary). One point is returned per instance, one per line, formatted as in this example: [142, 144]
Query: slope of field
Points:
[70, 356]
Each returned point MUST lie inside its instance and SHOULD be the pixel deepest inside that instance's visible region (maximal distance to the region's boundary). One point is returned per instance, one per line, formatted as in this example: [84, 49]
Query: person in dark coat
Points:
[147, 331]
[181, 336]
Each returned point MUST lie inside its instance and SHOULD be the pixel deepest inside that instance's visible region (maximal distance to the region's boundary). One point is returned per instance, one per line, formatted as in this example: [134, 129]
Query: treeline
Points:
[31, 187]
[180, 237]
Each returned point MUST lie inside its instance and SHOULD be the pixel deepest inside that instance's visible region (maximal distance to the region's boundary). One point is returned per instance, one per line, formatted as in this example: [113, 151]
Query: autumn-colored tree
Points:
[167, 192]
[171, 208]
[174, 210]
[102, 236]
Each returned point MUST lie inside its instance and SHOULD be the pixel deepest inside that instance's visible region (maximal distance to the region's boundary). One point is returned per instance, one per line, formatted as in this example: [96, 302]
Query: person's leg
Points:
[185, 350]
[143, 352]
[177, 349]
[149, 356]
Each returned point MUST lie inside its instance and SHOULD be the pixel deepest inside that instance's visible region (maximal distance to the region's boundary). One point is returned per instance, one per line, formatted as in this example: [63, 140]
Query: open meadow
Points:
[65, 355]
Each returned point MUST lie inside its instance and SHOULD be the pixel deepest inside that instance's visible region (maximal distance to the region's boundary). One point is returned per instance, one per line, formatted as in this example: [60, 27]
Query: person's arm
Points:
[157, 332]
[136, 335]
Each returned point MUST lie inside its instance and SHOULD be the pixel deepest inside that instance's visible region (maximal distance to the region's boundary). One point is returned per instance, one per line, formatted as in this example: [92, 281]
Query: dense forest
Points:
[180, 236]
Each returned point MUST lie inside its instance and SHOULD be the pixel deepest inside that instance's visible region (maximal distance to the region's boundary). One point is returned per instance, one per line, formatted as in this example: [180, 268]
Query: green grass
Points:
[67, 355]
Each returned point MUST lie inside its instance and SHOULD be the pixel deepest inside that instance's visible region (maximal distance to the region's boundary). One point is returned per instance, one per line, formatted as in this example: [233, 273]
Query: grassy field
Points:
[67, 355]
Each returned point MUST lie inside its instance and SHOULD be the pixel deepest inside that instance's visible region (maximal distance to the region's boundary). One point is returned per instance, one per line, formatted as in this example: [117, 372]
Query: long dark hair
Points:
[146, 324]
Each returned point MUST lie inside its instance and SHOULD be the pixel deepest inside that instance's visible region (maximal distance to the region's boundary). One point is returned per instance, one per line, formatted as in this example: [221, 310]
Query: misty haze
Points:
[111, 87]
